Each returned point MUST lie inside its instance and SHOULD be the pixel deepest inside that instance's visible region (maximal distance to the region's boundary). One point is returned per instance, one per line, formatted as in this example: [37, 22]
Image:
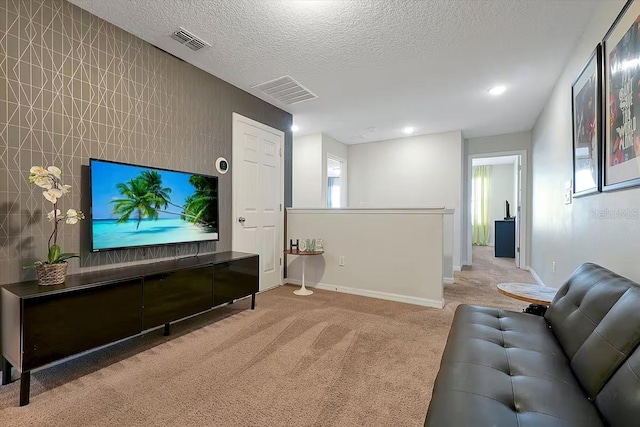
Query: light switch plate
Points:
[567, 196]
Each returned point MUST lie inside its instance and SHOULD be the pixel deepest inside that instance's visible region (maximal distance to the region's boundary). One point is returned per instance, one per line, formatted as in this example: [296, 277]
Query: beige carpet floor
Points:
[327, 360]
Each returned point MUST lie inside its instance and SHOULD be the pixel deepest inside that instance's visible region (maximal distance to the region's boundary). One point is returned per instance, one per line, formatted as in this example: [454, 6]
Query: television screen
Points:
[134, 206]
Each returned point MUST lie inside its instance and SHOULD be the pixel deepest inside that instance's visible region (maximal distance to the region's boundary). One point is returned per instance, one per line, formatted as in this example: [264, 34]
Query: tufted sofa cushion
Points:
[596, 319]
[619, 400]
[502, 368]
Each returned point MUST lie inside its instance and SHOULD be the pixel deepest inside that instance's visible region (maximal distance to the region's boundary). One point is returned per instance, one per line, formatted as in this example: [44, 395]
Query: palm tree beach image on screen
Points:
[138, 206]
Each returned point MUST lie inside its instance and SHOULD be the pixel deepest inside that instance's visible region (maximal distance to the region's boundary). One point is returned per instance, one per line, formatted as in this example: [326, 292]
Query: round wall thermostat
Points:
[222, 165]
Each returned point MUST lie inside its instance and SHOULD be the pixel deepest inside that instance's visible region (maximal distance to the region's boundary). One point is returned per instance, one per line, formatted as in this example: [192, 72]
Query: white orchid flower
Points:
[52, 215]
[55, 171]
[43, 182]
[74, 216]
[52, 195]
[38, 171]
[50, 180]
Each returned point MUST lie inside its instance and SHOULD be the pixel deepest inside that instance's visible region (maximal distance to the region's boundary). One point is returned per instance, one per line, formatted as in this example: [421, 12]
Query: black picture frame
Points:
[621, 69]
[586, 117]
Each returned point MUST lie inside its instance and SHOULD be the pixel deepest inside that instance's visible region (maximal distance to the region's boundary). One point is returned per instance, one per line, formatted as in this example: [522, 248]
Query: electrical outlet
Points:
[341, 261]
[554, 266]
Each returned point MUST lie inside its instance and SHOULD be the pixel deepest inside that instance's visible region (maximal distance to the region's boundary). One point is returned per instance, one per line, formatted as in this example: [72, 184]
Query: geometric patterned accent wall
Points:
[72, 87]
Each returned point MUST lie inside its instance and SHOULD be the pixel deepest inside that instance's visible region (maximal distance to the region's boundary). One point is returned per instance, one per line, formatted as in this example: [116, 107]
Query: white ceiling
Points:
[382, 64]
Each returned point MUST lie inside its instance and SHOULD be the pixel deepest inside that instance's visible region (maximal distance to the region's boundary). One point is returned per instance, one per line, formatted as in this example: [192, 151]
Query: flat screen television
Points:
[134, 206]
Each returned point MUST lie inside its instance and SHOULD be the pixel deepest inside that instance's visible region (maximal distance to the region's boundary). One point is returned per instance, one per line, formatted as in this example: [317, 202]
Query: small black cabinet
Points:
[505, 239]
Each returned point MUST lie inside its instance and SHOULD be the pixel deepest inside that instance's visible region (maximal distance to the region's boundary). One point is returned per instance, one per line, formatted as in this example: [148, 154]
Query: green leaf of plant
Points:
[66, 256]
[54, 254]
[32, 265]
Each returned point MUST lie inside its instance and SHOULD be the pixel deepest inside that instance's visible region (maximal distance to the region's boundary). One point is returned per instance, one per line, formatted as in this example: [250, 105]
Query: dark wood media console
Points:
[41, 325]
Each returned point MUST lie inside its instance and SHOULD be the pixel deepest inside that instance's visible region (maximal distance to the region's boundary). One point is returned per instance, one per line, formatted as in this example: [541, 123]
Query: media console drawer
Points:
[177, 294]
[61, 325]
[234, 280]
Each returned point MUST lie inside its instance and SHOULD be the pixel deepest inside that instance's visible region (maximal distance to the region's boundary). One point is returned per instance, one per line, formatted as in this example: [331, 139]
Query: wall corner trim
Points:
[535, 276]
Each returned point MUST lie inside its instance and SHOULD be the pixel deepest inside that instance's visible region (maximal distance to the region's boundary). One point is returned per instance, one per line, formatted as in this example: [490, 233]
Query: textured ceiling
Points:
[377, 64]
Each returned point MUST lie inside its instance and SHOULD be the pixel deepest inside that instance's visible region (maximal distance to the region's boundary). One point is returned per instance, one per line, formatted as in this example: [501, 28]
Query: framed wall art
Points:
[587, 134]
[621, 55]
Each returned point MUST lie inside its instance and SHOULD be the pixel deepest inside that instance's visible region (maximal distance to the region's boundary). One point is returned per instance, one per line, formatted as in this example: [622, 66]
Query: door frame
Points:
[238, 118]
[524, 205]
[343, 171]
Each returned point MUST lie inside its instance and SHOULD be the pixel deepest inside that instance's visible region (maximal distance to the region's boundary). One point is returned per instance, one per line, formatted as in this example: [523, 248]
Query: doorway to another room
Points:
[335, 186]
[496, 214]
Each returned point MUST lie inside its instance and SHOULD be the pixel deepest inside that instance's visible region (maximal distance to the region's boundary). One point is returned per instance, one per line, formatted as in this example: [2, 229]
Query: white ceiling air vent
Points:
[186, 38]
[286, 90]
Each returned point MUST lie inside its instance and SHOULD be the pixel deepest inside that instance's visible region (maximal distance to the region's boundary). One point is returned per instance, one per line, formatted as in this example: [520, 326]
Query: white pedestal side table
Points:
[303, 290]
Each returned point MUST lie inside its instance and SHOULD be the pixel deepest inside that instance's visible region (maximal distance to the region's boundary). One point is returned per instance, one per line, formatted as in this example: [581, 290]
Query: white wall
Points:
[394, 254]
[420, 171]
[334, 147]
[502, 186]
[506, 143]
[308, 171]
[573, 234]
[499, 143]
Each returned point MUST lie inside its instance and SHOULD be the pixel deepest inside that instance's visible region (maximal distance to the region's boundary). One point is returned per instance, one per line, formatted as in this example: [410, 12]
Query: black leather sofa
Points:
[579, 365]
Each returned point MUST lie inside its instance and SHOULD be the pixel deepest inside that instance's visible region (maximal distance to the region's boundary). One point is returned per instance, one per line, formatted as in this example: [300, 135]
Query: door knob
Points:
[241, 220]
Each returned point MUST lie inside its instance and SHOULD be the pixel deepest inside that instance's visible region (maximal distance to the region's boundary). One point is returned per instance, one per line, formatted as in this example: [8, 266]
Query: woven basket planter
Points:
[51, 274]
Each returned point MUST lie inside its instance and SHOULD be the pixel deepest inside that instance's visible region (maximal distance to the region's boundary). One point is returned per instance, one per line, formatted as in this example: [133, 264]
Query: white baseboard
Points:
[535, 276]
[447, 280]
[457, 268]
[372, 294]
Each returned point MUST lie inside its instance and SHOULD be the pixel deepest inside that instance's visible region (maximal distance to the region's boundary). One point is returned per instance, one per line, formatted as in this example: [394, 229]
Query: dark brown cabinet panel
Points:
[235, 280]
[61, 325]
[177, 294]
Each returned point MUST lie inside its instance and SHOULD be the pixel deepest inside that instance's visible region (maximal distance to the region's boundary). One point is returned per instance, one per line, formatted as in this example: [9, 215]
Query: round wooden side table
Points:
[534, 294]
[538, 296]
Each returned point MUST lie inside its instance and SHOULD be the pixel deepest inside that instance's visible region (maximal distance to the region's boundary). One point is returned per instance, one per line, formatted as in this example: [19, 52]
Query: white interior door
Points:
[258, 190]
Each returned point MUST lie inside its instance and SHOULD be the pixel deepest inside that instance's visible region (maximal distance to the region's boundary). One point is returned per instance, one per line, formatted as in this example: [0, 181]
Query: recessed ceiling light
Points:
[294, 128]
[408, 130]
[497, 90]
